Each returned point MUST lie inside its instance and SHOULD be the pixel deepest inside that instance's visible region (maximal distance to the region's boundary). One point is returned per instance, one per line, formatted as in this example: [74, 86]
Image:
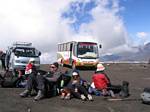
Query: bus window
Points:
[26, 52]
[87, 50]
[68, 46]
[61, 47]
[65, 47]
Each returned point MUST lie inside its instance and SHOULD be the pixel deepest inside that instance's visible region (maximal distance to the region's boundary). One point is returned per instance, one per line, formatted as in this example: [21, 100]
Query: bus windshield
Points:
[25, 52]
[87, 50]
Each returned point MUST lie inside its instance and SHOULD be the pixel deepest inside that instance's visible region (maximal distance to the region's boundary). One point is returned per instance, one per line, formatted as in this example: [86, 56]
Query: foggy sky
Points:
[41, 22]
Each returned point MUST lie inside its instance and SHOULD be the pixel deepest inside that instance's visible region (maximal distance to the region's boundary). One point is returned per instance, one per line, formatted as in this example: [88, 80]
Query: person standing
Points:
[2, 58]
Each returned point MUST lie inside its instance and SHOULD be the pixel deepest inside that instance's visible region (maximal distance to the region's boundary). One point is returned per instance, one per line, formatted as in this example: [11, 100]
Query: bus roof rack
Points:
[22, 44]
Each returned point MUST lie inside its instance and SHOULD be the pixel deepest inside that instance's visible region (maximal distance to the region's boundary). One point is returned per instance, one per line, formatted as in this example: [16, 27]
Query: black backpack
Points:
[124, 89]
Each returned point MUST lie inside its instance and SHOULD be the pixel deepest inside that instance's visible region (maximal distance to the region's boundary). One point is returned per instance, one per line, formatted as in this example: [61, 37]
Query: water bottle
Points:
[62, 83]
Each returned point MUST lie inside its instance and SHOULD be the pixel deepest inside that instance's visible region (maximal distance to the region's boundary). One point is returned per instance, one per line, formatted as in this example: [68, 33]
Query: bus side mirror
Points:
[100, 46]
[71, 45]
[39, 53]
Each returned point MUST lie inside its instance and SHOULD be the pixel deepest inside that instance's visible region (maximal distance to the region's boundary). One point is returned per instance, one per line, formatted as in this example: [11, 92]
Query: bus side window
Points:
[61, 47]
[68, 46]
[90, 49]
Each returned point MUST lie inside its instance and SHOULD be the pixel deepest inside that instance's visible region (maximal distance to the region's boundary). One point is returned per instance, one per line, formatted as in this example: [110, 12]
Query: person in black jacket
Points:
[39, 81]
[32, 82]
[77, 88]
[2, 58]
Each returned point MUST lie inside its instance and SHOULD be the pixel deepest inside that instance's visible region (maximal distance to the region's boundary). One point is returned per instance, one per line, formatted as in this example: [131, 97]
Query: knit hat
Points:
[100, 67]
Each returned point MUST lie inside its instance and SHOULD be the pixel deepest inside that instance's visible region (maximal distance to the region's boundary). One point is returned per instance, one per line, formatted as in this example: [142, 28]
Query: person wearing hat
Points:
[29, 66]
[2, 58]
[77, 88]
[100, 81]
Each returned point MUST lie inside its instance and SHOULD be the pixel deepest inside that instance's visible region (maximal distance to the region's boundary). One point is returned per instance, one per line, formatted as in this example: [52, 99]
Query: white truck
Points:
[18, 55]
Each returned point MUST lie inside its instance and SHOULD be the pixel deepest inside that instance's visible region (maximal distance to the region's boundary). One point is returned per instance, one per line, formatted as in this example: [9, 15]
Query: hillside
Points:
[143, 54]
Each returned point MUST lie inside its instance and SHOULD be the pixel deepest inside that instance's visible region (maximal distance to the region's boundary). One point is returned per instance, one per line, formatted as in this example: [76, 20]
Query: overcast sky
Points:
[116, 24]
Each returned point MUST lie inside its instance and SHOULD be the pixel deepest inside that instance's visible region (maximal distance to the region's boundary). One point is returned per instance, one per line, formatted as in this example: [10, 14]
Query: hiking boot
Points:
[83, 97]
[90, 97]
[39, 96]
[62, 96]
[67, 97]
[25, 93]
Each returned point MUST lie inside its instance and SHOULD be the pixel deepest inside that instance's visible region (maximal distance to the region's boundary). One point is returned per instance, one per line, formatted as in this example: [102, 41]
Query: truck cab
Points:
[19, 54]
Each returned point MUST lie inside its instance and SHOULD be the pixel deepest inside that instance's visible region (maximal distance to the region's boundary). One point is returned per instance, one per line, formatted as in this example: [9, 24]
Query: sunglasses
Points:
[76, 76]
[52, 67]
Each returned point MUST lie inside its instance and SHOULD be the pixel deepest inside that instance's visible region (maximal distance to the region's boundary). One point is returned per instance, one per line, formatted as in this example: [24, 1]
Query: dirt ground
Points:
[138, 76]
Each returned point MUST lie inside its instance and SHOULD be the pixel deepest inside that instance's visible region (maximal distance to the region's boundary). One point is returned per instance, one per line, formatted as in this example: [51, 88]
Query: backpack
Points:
[145, 96]
[124, 89]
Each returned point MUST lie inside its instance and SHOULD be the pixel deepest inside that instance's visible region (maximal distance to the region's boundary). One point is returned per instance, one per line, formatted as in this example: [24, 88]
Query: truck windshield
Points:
[87, 50]
[25, 52]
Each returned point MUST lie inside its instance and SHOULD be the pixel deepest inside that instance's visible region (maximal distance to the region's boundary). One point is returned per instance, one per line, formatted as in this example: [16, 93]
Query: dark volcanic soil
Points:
[137, 74]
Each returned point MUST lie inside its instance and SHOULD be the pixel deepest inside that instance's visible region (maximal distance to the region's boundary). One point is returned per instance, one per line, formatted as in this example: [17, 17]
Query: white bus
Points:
[77, 54]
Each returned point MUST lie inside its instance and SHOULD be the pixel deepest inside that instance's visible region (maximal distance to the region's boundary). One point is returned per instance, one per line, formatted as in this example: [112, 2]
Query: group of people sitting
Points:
[70, 84]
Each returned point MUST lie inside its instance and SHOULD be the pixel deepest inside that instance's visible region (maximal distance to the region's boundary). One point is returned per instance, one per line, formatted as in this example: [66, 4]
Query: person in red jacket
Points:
[100, 82]
[29, 66]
